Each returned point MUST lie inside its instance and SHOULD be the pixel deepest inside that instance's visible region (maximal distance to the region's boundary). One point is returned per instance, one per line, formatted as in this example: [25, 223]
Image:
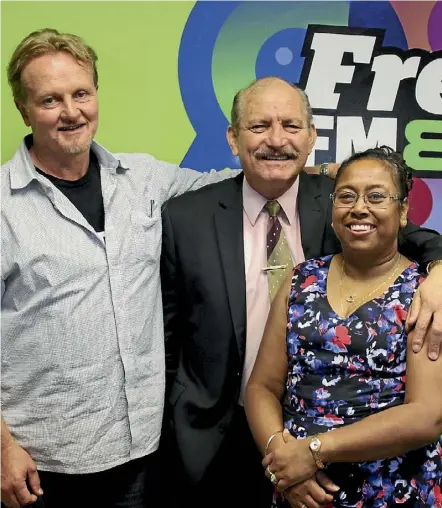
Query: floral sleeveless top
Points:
[341, 370]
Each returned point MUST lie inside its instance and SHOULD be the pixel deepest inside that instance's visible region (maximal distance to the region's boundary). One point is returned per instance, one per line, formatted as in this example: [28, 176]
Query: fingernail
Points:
[416, 348]
[433, 356]
[40, 492]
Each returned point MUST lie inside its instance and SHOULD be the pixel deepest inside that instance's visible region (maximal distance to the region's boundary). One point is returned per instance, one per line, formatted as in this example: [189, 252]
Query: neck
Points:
[271, 189]
[366, 268]
[70, 167]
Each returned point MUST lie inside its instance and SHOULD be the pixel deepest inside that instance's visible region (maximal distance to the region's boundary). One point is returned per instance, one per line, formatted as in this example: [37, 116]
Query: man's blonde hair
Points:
[44, 42]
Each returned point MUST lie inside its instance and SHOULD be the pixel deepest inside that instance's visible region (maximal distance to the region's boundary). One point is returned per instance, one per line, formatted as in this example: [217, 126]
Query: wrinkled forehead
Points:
[53, 67]
[273, 102]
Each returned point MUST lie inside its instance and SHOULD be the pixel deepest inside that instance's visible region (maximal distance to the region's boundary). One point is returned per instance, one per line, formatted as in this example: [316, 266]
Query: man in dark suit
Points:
[219, 274]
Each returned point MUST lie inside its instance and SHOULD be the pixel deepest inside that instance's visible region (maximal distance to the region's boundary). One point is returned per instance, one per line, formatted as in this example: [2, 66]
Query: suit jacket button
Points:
[222, 428]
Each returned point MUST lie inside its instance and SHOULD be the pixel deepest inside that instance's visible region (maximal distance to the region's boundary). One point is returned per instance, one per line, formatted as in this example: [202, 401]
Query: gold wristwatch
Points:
[315, 447]
[323, 169]
[432, 264]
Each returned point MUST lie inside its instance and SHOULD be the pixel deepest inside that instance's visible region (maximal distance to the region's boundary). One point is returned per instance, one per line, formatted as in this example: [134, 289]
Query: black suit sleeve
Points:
[420, 244]
[171, 298]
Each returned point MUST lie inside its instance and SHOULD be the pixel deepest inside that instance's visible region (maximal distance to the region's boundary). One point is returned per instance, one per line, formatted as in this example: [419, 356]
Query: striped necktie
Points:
[279, 259]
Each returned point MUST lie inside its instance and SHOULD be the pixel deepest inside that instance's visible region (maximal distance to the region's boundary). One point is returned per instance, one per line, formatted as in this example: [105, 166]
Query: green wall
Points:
[137, 45]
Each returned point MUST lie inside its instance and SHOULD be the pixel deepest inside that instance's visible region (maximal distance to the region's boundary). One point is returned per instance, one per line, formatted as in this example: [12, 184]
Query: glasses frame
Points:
[367, 204]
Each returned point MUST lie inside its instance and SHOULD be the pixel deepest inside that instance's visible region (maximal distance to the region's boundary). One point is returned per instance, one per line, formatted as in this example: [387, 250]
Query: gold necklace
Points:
[351, 298]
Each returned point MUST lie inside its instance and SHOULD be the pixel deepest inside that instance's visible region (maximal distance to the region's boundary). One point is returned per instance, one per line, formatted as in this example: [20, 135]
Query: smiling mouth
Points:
[278, 158]
[70, 128]
[360, 228]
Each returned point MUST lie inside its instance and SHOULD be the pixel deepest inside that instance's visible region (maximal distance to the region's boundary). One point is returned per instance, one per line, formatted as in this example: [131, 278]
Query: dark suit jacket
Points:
[204, 295]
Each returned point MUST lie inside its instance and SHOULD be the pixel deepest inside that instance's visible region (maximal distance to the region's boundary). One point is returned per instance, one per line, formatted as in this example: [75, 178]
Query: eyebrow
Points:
[263, 120]
[370, 187]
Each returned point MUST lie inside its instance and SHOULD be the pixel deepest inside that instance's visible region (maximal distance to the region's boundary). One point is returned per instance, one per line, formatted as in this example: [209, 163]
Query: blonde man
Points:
[82, 333]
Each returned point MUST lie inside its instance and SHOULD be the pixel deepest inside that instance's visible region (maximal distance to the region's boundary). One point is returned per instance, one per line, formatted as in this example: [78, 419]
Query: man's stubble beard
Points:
[77, 148]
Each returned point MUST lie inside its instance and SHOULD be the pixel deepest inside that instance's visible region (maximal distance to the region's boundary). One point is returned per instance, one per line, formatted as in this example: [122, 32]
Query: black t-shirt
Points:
[84, 193]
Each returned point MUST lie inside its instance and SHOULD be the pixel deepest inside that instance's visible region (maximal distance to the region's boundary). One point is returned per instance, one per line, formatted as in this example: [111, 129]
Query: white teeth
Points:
[361, 227]
[71, 128]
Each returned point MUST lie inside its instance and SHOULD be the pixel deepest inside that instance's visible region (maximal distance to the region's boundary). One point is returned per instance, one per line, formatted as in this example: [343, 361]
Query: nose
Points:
[70, 110]
[276, 136]
[360, 207]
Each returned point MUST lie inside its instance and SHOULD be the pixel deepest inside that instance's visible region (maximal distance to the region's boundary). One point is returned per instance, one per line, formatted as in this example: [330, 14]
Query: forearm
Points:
[389, 433]
[264, 414]
[184, 180]
[316, 170]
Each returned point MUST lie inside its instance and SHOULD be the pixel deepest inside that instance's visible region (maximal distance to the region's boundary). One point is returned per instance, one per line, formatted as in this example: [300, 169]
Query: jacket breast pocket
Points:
[146, 237]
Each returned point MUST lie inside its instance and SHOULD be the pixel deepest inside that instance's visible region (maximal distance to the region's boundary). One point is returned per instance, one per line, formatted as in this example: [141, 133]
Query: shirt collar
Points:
[23, 169]
[253, 202]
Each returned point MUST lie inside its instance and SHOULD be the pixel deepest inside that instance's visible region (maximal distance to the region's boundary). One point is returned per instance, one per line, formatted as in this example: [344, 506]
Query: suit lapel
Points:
[229, 232]
[310, 214]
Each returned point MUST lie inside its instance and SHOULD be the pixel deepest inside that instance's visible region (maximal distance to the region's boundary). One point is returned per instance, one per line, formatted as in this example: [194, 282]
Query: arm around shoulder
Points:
[183, 179]
[422, 245]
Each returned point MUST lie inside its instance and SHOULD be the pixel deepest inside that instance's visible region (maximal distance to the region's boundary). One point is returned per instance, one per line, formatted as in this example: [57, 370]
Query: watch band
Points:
[323, 169]
[315, 448]
[432, 264]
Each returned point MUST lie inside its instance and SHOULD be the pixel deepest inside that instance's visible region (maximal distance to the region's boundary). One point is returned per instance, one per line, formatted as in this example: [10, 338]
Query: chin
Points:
[281, 172]
[77, 148]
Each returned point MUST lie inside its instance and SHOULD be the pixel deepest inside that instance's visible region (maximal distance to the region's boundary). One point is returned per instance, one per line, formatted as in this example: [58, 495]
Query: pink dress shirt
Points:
[255, 259]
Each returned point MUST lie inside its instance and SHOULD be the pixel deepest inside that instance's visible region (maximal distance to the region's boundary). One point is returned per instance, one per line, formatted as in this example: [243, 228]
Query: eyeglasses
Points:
[376, 199]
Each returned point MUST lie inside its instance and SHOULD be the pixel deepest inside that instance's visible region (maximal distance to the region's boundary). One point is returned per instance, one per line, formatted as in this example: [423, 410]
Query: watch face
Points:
[315, 445]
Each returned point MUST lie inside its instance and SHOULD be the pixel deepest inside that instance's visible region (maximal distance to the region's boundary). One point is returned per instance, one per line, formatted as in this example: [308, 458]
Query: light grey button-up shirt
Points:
[82, 345]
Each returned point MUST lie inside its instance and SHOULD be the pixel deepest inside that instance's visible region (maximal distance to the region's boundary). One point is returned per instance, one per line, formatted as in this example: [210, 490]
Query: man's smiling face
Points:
[61, 103]
[274, 139]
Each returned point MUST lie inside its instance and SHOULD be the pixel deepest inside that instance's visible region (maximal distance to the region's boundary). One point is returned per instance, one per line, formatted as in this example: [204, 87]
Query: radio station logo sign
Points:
[365, 95]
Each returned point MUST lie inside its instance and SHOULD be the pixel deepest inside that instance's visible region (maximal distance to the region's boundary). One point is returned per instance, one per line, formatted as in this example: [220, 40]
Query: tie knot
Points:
[272, 207]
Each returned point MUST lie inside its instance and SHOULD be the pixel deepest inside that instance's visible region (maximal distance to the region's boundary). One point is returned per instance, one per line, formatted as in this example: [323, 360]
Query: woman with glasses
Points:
[334, 358]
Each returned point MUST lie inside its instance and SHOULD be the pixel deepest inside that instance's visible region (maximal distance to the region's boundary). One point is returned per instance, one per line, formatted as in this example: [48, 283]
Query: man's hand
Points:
[333, 169]
[425, 317]
[316, 492]
[17, 466]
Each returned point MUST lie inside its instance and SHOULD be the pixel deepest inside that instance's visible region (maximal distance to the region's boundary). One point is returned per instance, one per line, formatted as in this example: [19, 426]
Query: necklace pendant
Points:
[350, 299]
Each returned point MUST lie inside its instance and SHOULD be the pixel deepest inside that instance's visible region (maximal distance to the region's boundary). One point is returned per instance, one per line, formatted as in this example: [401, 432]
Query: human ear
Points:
[232, 140]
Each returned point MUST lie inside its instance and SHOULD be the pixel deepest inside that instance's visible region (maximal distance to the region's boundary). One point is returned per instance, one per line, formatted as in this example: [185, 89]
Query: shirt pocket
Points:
[146, 237]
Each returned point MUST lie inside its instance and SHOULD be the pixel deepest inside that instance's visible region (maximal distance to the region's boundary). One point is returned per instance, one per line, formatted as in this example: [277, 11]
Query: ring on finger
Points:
[272, 476]
[273, 479]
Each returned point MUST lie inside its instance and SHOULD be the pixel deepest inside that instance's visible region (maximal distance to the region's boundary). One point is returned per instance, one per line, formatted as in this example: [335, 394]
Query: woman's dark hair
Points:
[390, 158]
